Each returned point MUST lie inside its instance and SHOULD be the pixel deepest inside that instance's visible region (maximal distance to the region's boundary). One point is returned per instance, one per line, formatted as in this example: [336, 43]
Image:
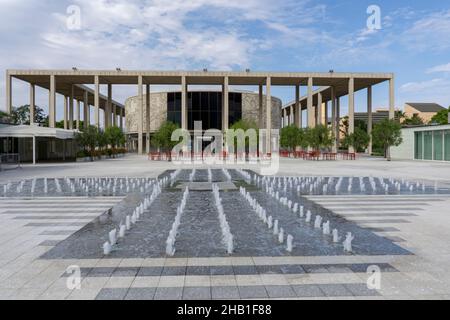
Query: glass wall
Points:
[438, 147]
[432, 145]
[418, 145]
[447, 145]
[205, 107]
[428, 145]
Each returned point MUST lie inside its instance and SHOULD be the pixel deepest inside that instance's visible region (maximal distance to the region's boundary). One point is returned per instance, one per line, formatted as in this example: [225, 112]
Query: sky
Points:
[412, 41]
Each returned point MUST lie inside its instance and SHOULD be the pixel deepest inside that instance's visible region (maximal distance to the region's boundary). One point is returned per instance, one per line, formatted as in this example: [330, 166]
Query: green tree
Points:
[441, 117]
[320, 137]
[163, 137]
[88, 139]
[21, 115]
[387, 133]
[359, 140]
[114, 136]
[415, 120]
[290, 137]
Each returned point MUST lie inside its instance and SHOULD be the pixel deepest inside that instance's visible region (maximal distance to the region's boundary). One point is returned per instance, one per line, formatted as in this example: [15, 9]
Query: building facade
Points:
[430, 143]
[205, 106]
[425, 111]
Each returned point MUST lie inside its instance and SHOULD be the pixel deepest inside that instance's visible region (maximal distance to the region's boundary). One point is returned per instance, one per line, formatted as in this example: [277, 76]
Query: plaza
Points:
[402, 232]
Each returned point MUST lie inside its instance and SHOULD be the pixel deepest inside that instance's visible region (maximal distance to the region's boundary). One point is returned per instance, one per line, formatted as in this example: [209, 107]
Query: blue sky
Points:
[263, 35]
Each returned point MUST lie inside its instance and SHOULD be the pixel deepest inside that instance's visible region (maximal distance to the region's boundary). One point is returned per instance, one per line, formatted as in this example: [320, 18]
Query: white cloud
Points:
[440, 68]
[434, 90]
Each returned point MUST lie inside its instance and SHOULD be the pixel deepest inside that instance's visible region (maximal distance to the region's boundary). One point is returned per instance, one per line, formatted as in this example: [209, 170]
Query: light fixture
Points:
[118, 69]
[247, 70]
[74, 68]
[331, 71]
[205, 70]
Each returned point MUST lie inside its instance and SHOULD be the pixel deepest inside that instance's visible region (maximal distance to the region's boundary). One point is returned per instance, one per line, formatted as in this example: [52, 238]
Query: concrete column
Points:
[298, 110]
[87, 110]
[338, 120]
[291, 115]
[225, 105]
[97, 102]
[268, 115]
[77, 115]
[351, 109]
[52, 102]
[72, 94]
[319, 108]
[32, 102]
[8, 93]
[325, 113]
[65, 113]
[284, 117]
[392, 98]
[34, 150]
[108, 107]
[369, 118]
[121, 118]
[310, 109]
[333, 116]
[147, 117]
[261, 107]
[114, 114]
[140, 116]
[184, 112]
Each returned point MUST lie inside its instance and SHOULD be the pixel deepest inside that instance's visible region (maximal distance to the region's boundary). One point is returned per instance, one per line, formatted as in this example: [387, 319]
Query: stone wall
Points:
[158, 111]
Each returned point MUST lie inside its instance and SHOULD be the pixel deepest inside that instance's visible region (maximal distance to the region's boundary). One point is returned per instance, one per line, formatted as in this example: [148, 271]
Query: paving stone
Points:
[125, 272]
[361, 290]
[221, 270]
[335, 290]
[198, 271]
[175, 293]
[140, 294]
[244, 270]
[174, 271]
[112, 294]
[197, 293]
[150, 272]
[252, 292]
[225, 292]
[101, 272]
[280, 292]
[308, 291]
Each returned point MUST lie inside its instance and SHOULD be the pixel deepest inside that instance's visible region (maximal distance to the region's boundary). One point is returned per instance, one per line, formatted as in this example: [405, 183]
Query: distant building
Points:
[377, 116]
[425, 111]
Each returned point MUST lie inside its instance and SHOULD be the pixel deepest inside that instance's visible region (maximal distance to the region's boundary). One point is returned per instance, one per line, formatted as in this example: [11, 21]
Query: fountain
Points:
[122, 229]
[308, 216]
[270, 222]
[170, 242]
[318, 222]
[281, 236]
[275, 228]
[348, 242]
[290, 240]
[326, 228]
[113, 237]
[227, 237]
[335, 236]
[107, 248]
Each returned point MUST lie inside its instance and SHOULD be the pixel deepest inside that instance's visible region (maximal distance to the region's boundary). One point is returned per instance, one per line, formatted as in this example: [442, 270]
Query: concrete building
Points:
[431, 143]
[424, 111]
[332, 86]
[205, 106]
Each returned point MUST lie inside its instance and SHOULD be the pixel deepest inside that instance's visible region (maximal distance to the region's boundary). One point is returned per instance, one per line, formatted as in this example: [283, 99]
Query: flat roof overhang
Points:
[66, 78]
